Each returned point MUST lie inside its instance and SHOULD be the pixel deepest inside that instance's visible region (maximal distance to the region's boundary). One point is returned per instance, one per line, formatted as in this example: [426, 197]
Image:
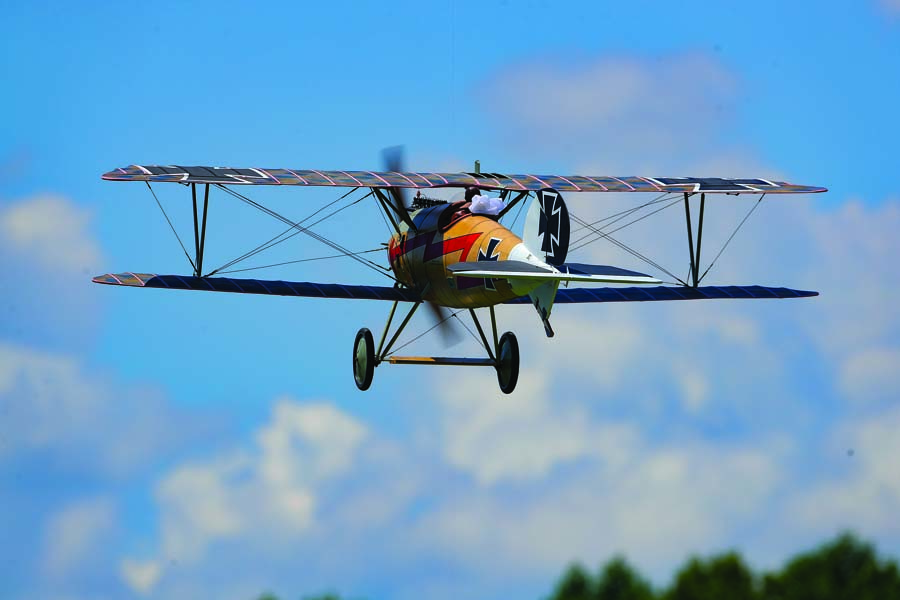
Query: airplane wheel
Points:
[508, 362]
[363, 359]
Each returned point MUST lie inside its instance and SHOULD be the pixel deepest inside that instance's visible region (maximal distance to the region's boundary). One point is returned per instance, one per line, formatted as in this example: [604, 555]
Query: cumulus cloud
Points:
[52, 230]
[141, 576]
[521, 437]
[269, 489]
[653, 505]
[864, 493]
[47, 255]
[74, 534]
[87, 422]
[611, 105]
[891, 7]
[872, 375]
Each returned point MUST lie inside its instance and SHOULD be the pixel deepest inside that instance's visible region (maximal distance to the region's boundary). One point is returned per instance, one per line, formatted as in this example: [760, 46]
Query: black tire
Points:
[363, 359]
[508, 362]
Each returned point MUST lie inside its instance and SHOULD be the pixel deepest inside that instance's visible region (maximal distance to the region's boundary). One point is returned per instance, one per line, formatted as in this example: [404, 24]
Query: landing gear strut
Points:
[502, 354]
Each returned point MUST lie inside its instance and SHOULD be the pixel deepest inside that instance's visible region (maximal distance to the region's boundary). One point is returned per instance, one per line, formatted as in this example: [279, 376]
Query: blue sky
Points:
[159, 444]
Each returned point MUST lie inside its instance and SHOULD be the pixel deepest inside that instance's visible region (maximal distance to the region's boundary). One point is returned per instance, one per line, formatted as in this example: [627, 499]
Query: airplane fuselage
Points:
[444, 236]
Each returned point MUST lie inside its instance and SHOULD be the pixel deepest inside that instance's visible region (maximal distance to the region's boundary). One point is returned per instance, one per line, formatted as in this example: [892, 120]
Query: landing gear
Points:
[502, 354]
[508, 362]
[363, 359]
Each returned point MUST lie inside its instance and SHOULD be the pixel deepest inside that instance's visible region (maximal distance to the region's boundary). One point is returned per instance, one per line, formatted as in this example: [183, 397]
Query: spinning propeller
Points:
[393, 159]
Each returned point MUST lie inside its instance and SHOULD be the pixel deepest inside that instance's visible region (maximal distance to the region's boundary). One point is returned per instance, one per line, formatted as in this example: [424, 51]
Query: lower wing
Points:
[369, 292]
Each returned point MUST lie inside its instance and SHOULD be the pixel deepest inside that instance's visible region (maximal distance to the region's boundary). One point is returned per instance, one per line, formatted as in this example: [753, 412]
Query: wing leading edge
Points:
[424, 180]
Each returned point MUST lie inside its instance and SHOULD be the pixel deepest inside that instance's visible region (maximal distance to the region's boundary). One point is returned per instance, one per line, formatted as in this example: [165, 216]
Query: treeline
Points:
[843, 569]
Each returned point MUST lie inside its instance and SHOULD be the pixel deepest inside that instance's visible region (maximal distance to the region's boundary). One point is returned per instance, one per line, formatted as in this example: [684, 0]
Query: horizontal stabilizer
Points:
[661, 293]
[258, 286]
[514, 269]
[583, 269]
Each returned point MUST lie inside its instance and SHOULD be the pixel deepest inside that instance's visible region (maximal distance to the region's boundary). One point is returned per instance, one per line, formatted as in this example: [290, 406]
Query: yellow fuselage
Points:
[445, 236]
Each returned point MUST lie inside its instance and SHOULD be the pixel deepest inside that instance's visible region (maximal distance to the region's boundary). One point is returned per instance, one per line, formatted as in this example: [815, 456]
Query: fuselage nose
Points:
[447, 235]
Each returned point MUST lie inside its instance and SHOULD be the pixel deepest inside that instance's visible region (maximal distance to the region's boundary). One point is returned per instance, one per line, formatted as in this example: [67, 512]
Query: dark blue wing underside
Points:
[663, 293]
[307, 289]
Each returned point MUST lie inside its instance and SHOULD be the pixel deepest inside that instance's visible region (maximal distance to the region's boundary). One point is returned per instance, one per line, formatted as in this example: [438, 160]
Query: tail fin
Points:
[547, 227]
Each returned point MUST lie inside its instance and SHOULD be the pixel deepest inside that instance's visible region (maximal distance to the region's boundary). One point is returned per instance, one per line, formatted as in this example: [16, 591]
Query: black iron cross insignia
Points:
[492, 254]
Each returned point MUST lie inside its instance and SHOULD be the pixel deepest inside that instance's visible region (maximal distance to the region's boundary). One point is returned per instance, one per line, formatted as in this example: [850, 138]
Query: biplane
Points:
[460, 254]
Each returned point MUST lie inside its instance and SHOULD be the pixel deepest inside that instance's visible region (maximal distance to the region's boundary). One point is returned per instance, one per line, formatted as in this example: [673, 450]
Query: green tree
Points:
[723, 576]
[619, 581]
[845, 569]
[575, 584]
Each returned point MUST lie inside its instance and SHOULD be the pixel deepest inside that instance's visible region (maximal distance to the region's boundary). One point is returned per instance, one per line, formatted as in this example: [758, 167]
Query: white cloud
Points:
[75, 533]
[307, 443]
[86, 421]
[520, 437]
[47, 255]
[611, 105]
[892, 7]
[51, 230]
[872, 375]
[865, 492]
[695, 390]
[269, 489]
[141, 576]
[657, 504]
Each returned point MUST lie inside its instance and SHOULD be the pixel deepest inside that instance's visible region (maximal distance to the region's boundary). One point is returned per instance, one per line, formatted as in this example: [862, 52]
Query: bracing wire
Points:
[731, 237]
[272, 243]
[172, 227]
[429, 330]
[621, 227]
[302, 260]
[518, 212]
[301, 229]
[626, 248]
[275, 240]
[621, 215]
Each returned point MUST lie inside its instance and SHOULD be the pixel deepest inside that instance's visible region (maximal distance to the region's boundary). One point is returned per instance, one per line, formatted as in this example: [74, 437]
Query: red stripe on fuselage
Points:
[434, 249]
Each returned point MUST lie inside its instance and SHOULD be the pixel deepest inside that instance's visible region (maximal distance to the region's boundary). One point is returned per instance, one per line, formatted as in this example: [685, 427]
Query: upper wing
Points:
[493, 181]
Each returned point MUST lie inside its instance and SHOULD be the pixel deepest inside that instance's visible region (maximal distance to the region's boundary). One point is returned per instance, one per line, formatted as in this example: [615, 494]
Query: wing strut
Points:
[519, 197]
[694, 254]
[199, 237]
